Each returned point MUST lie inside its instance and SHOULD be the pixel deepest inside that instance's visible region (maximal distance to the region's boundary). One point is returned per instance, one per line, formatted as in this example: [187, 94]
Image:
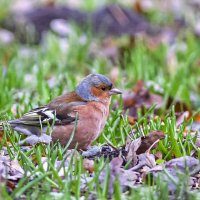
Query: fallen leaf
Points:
[147, 141]
[138, 98]
[182, 117]
[179, 106]
[138, 147]
[138, 86]
[126, 178]
[131, 147]
[171, 171]
[144, 160]
[197, 118]
[131, 120]
[88, 165]
[197, 143]
[158, 155]
[142, 6]
[10, 169]
[114, 168]
[182, 164]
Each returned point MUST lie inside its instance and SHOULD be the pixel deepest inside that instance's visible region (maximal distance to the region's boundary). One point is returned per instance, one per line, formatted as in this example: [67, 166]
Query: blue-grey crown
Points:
[84, 87]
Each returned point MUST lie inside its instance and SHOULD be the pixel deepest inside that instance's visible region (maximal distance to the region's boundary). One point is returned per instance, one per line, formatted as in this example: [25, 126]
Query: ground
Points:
[153, 127]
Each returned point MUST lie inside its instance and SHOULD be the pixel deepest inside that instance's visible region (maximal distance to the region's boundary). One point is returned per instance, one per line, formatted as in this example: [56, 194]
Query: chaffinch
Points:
[83, 111]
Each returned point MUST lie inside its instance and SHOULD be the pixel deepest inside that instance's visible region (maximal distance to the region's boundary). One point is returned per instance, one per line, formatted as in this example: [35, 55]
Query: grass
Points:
[26, 74]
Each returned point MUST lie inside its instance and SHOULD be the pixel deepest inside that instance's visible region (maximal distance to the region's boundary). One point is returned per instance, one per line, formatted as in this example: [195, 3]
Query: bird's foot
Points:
[34, 139]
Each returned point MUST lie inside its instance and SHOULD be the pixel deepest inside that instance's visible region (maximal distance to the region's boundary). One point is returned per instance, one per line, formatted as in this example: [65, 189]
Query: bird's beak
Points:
[114, 91]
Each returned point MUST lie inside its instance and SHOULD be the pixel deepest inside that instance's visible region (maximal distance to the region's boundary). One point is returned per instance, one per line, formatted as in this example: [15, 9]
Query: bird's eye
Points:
[103, 88]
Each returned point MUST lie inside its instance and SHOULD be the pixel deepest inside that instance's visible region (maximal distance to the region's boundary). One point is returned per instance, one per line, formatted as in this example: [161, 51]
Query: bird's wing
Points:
[43, 116]
[59, 112]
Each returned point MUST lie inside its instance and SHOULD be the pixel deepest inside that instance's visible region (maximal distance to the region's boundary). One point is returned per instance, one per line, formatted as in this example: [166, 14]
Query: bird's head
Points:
[96, 87]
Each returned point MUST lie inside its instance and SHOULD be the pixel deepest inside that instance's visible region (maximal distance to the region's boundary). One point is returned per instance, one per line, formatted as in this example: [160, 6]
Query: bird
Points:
[82, 113]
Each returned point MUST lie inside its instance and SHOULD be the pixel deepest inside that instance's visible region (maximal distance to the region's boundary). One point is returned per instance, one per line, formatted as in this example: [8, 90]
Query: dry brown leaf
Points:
[131, 120]
[179, 106]
[139, 146]
[138, 86]
[149, 140]
[158, 155]
[1, 135]
[138, 98]
[197, 118]
[88, 165]
[182, 117]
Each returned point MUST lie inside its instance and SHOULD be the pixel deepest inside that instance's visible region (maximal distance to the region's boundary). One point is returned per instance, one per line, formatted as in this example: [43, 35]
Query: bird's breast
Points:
[94, 116]
[91, 121]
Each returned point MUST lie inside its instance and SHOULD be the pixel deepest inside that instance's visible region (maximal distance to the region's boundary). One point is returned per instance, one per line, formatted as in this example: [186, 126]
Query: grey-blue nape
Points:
[84, 88]
[98, 79]
[84, 91]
